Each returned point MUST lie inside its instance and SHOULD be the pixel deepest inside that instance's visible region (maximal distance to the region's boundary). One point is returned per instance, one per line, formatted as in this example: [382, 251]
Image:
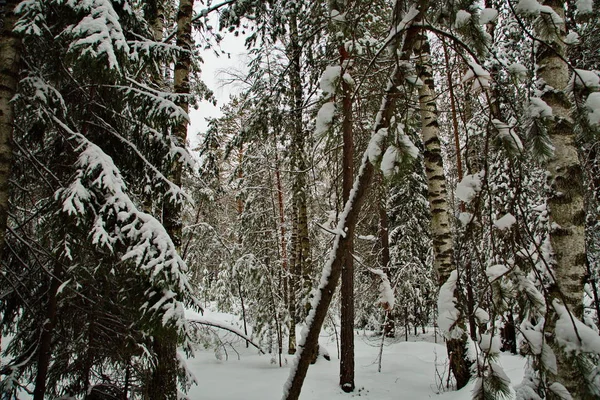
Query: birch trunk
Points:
[9, 69]
[566, 177]
[163, 384]
[441, 230]
[567, 213]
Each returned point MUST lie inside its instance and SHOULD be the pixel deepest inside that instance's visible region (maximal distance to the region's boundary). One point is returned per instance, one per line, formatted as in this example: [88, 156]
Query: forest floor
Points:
[409, 370]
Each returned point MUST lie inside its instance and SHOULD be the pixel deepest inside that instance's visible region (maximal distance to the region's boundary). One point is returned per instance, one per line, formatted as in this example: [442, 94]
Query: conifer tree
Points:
[87, 109]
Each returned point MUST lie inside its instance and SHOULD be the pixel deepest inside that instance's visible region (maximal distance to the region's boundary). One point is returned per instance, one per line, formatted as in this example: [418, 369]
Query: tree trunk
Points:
[434, 168]
[457, 355]
[331, 276]
[348, 219]
[45, 350]
[283, 241]
[172, 210]
[156, 15]
[347, 286]
[441, 230]
[163, 383]
[470, 303]
[10, 48]
[300, 261]
[292, 283]
[306, 265]
[509, 334]
[566, 177]
[567, 213]
[389, 329]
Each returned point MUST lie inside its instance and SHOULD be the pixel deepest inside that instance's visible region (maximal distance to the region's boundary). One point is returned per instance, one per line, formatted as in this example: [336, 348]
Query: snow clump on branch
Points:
[448, 314]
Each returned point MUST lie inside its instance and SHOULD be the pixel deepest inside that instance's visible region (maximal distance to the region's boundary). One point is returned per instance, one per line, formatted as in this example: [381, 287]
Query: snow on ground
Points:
[408, 370]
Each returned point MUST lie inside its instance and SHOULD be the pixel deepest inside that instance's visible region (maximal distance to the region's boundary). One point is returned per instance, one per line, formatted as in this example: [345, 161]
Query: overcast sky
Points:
[213, 75]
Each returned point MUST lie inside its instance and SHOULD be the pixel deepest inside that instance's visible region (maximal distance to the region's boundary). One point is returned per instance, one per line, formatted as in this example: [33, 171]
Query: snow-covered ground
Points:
[409, 370]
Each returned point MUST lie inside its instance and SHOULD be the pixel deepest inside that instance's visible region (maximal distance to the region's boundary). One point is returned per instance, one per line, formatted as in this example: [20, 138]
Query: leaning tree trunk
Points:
[9, 69]
[163, 384]
[441, 230]
[567, 213]
[348, 220]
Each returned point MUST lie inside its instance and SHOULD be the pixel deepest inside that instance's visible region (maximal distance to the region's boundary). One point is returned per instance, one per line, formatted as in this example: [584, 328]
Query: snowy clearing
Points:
[408, 370]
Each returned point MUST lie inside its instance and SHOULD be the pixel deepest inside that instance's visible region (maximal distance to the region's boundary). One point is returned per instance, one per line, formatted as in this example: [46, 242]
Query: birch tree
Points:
[566, 178]
[163, 384]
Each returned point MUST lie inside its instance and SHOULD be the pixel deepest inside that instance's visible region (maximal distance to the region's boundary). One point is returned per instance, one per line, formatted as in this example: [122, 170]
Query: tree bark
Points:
[292, 283]
[45, 349]
[10, 49]
[566, 176]
[172, 210]
[333, 267]
[389, 329]
[347, 285]
[443, 249]
[441, 231]
[566, 202]
[301, 267]
[283, 241]
[326, 291]
[163, 384]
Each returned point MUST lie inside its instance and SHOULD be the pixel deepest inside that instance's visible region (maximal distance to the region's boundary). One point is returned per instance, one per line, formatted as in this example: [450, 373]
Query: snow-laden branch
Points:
[175, 192]
[98, 183]
[99, 33]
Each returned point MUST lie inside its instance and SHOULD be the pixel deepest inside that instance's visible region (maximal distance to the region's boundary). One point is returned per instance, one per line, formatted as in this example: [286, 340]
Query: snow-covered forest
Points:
[387, 174]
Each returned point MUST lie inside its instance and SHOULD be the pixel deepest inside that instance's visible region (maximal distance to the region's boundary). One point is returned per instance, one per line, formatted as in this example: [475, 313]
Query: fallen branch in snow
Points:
[228, 328]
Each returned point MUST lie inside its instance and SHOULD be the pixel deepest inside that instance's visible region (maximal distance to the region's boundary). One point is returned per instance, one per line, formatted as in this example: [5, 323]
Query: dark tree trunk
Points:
[339, 251]
[347, 288]
[327, 291]
[389, 329]
[126, 382]
[300, 259]
[470, 302]
[509, 335]
[459, 363]
[163, 383]
[10, 48]
[292, 284]
[45, 350]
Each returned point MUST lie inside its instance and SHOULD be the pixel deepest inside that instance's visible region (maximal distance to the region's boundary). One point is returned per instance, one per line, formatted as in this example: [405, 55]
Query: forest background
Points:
[439, 159]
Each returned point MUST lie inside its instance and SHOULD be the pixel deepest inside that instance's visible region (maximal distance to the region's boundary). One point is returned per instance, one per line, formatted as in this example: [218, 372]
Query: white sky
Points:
[213, 75]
